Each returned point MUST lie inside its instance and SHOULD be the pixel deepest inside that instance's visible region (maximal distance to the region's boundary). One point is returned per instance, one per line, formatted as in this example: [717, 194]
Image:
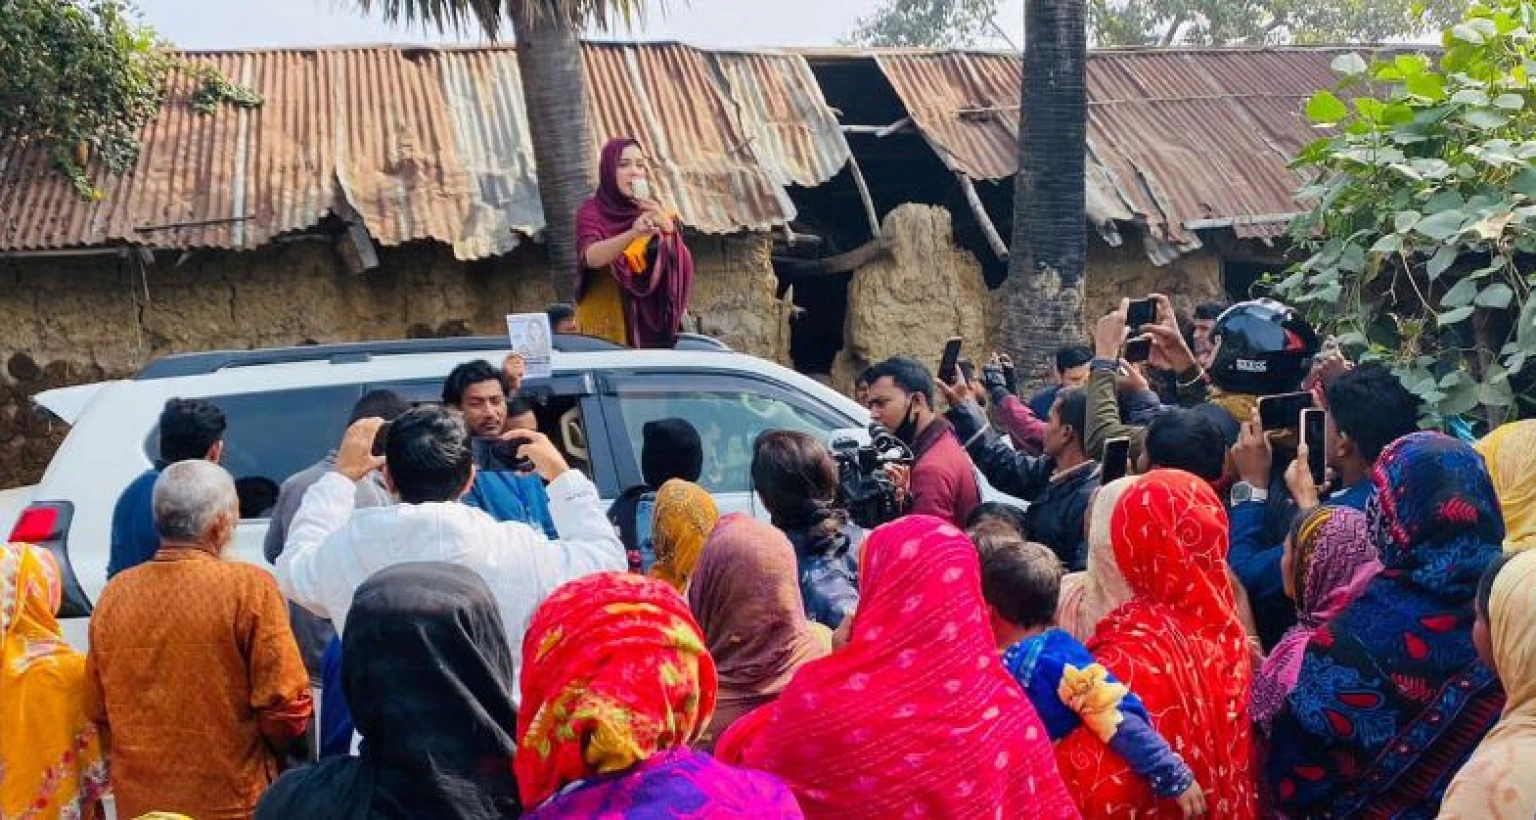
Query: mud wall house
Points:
[382, 193]
[1189, 189]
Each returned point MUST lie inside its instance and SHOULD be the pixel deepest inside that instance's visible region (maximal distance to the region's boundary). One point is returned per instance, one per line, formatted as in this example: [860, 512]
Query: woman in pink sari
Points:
[916, 715]
[635, 273]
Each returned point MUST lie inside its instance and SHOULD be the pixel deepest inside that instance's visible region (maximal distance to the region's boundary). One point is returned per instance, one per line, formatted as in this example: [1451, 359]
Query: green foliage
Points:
[959, 23]
[1423, 223]
[80, 78]
[925, 23]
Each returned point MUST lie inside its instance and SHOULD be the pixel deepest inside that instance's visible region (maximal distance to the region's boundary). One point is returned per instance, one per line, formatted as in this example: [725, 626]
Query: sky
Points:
[199, 24]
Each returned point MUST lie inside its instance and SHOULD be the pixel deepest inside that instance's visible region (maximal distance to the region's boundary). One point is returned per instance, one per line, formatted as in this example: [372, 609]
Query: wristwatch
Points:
[1243, 492]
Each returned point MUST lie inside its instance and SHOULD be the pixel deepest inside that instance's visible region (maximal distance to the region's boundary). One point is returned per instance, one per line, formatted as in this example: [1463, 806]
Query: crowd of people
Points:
[1200, 628]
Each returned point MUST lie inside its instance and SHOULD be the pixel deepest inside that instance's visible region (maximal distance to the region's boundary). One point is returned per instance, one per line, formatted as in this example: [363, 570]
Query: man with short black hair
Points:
[1071, 371]
[428, 465]
[1200, 342]
[1182, 439]
[1368, 408]
[943, 481]
[562, 318]
[1057, 484]
[481, 393]
[189, 429]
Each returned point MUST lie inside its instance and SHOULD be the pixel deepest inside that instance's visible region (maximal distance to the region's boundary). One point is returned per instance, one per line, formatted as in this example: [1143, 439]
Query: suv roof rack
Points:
[194, 364]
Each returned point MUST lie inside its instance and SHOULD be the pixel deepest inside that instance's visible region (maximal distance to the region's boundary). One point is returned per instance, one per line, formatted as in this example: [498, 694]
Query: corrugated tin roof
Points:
[433, 144]
[1176, 138]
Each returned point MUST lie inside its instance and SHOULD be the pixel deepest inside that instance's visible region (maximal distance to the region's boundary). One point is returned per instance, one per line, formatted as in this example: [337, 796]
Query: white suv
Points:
[286, 408]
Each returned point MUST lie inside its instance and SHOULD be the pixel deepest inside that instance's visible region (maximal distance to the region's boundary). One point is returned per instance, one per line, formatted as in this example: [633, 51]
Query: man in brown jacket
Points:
[192, 670]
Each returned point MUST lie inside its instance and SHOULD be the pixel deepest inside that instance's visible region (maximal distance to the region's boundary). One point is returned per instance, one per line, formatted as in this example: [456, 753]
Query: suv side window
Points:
[728, 411]
[270, 436]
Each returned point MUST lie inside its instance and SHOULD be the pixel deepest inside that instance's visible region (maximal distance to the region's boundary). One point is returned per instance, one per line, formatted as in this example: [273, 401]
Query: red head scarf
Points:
[614, 671]
[1178, 644]
[915, 717]
[656, 299]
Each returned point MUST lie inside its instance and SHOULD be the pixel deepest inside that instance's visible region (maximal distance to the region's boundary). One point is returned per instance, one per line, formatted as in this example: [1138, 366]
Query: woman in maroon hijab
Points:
[636, 274]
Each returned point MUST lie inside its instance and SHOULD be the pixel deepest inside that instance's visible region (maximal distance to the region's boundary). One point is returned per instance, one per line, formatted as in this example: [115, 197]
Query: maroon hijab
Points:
[656, 299]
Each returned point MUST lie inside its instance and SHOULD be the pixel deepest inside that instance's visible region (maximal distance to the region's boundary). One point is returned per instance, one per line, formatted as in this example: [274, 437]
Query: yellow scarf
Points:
[51, 758]
[685, 516]
[1510, 453]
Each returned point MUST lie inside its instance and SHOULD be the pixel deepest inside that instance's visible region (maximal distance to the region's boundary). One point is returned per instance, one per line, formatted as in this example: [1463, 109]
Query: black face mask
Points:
[907, 430]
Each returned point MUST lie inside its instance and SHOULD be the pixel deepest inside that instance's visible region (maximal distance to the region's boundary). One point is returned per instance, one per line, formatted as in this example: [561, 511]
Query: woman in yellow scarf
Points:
[685, 516]
[51, 759]
[1510, 452]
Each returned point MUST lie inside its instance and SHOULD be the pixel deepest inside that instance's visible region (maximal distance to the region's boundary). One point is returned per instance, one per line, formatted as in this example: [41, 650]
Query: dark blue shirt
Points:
[509, 496]
[335, 716]
[134, 537]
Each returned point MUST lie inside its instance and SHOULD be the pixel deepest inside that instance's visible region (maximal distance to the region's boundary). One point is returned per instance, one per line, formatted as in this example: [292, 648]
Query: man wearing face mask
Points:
[943, 482]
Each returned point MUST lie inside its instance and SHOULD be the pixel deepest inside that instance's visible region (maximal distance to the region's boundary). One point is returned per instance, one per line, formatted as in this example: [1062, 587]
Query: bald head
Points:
[195, 503]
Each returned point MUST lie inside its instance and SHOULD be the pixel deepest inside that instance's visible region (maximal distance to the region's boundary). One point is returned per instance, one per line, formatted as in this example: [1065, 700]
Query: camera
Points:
[863, 488]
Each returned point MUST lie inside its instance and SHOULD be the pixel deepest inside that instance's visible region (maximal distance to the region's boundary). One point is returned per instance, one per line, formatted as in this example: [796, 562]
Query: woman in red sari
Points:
[635, 273]
[1178, 644]
[915, 717]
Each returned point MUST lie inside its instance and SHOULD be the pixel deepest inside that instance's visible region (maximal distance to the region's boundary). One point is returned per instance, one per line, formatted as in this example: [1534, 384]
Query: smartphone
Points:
[951, 359]
[1138, 350]
[1283, 412]
[1116, 463]
[967, 370]
[497, 456]
[380, 438]
[1010, 376]
[641, 188]
[1314, 433]
[1141, 312]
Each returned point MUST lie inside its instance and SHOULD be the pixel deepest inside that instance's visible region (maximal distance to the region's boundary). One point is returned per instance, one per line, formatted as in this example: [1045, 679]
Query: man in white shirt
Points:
[428, 465]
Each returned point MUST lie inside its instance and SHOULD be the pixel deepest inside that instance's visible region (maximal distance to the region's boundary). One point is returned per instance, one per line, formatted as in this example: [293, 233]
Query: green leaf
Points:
[1427, 86]
[1446, 200]
[1325, 108]
[1409, 65]
[1441, 226]
[1509, 102]
[1349, 64]
[1467, 34]
[1497, 296]
[1388, 243]
[1460, 295]
[1470, 96]
[1451, 317]
[1441, 261]
[1370, 108]
[1495, 394]
[1403, 221]
[1484, 118]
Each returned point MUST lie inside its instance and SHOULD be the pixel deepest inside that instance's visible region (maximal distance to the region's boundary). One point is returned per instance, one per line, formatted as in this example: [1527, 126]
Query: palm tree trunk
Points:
[1043, 296]
[549, 57]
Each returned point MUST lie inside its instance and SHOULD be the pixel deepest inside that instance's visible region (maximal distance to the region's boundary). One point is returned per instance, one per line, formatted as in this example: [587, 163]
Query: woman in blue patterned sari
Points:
[1391, 698]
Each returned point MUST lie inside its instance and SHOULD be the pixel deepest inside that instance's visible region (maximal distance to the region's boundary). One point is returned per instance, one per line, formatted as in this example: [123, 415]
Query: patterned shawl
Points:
[1331, 562]
[747, 598]
[1498, 782]
[1178, 644]
[614, 672]
[915, 716]
[685, 515]
[1510, 452]
[51, 760]
[1391, 698]
[1086, 597]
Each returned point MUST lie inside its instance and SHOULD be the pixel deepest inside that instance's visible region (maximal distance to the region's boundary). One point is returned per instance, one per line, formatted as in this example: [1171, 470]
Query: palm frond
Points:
[490, 17]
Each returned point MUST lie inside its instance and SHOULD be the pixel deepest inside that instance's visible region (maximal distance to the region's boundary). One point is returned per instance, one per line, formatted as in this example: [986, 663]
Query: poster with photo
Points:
[531, 339]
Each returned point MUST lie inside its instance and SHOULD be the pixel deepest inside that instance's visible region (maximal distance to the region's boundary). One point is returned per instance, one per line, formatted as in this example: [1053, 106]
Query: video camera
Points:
[863, 487]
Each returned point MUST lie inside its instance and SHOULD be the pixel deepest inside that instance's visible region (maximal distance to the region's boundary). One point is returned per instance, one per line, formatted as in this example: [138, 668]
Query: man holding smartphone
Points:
[943, 481]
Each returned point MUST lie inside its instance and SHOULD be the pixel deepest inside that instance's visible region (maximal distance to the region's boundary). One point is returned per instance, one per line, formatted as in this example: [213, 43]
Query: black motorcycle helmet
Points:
[1262, 348]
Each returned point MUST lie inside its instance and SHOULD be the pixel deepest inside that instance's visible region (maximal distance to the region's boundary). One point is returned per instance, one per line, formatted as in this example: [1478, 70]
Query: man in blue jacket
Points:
[189, 429]
[481, 393]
